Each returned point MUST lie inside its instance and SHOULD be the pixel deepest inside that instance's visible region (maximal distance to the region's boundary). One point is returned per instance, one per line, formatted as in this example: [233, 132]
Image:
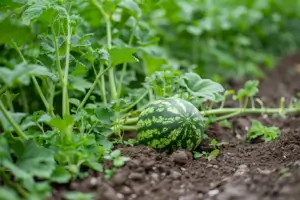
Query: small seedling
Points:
[259, 130]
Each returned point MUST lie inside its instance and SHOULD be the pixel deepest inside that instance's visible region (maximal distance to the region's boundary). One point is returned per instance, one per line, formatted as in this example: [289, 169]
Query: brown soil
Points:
[256, 171]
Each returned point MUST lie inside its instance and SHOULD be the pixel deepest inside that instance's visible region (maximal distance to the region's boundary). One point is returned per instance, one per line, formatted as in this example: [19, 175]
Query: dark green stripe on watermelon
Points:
[170, 124]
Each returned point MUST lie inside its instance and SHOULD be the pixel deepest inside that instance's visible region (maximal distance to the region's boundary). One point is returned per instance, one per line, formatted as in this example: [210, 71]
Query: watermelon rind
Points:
[170, 124]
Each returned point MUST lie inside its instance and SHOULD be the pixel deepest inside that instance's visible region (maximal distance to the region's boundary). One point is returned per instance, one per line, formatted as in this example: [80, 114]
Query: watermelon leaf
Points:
[198, 87]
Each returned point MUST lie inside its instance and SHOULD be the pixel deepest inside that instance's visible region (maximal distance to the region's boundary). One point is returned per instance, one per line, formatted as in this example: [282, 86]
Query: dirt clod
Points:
[180, 157]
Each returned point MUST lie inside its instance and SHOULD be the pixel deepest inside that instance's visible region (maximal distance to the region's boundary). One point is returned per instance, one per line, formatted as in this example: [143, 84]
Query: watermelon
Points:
[170, 124]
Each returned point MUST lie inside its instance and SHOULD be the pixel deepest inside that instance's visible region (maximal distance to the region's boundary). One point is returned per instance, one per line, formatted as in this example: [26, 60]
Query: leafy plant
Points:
[259, 130]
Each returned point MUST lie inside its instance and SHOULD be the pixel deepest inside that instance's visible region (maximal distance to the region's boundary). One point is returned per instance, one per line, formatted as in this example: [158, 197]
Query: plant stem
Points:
[111, 75]
[93, 87]
[136, 102]
[57, 60]
[35, 83]
[128, 128]
[24, 100]
[233, 112]
[125, 64]
[2, 90]
[12, 184]
[99, 84]
[66, 110]
[12, 122]
[103, 85]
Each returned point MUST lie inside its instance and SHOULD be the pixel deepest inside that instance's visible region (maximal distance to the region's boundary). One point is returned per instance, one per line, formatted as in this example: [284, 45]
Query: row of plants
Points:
[75, 75]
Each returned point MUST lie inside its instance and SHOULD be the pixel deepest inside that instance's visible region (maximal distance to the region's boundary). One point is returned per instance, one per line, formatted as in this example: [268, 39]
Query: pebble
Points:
[109, 193]
[136, 176]
[126, 190]
[180, 157]
[242, 169]
[119, 178]
[175, 174]
[188, 197]
[213, 192]
[149, 165]
[93, 182]
[155, 176]
[133, 163]
[120, 196]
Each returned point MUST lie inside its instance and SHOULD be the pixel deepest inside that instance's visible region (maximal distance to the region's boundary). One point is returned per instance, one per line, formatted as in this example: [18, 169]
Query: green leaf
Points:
[22, 73]
[17, 117]
[8, 194]
[94, 165]
[79, 83]
[80, 69]
[119, 55]
[64, 125]
[153, 64]
[7, 98]
[19, 173]
[33, 12]
[258, 129]
[79, 196]
[105, 114]
[120, 161]
[198, 87]
[214, 154]
[60, 175]
[251, 87]
[4, 149]
[132, 7]
[34, 159]
[14, 31]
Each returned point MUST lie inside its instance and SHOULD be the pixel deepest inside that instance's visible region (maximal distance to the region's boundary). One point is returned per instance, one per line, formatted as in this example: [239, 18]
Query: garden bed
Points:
[243, 170]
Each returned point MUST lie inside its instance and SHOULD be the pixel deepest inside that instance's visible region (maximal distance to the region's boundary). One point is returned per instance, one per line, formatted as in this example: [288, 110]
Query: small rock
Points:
[212, 193]
[162, 168]
[126, 190]
[188, 197]
[120, 196]
[133, 163]
[242, 169]
[139, 189]
[136, 176]
[93, 182]
[109, 193]
[74, 185]
[155, 176]
[179, 157]
[175, 174]
[119, 178]
[148, 165]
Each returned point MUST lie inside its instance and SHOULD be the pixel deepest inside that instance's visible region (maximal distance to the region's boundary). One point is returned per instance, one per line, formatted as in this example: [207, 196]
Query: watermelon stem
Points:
[232, 112]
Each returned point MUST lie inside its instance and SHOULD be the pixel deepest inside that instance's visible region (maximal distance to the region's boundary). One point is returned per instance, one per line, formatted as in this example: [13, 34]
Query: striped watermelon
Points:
[170, 124]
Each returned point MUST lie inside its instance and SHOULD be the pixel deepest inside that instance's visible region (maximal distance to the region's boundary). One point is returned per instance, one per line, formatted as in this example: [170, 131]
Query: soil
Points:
[243, 170]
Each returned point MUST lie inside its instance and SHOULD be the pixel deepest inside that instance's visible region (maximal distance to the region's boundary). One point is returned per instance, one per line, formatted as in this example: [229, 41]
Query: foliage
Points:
[75, 74]
[267, 133]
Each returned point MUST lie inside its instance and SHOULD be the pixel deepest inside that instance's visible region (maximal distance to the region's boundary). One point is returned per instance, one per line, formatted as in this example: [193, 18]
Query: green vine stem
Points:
[124, 69]
[111, 75]
[103, 85]
[66, 109]
[12, 122]
[88, 94]
[35, 83]
[99, 84]
[57, 60]
[232, 112]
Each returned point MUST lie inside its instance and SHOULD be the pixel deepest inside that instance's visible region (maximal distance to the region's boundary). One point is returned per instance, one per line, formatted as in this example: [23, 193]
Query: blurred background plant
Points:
[218, 39]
